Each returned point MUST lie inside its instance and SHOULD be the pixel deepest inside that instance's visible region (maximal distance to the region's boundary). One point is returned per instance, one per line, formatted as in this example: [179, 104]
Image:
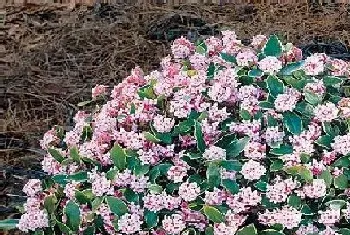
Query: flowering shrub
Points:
[224, 139]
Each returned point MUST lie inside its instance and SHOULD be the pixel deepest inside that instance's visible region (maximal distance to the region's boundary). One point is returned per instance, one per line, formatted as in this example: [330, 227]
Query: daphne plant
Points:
[224, 139]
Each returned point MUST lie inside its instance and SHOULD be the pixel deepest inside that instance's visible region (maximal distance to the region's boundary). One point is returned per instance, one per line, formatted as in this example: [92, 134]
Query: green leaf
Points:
[50, 203]
[290, 68]
[150, 137]
[89, 231]
[292, 122]
[236, 147]
[209, 231]
[230, 185]
[171, 187]
[74, 154]
[327, 177]
[210, 71]
[276, 165]
[147, 92]
[265, 201]
[325, 141]
[80, 176]
[294, 201]
[141, 169]
[273, 232]
[224, 141]
[213, 214]
[64, 228]
[116, 205]
[118, 157]
[155, 188]
[56, 155]
[245, 115]
[151, 218]
[312, 98]
[341, 182]
[199, 136]
[255, 73]
[164, 137]
[228, 57]
[111, 173]
[261, 185]
[266, 105]
[336, 204]
[301, 170]
[131, 196]
[213, 175]
[344, 231]
[73, 215]
[342, 162]
[231, 165]
[85, 196]
[306, 210]
[282, 150]
[8, 224]
[60, 179]
[273, 47]
[274, 85]
[248, 230]
[332, 81]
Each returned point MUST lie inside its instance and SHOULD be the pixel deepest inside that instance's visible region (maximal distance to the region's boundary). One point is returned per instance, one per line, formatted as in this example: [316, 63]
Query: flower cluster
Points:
[223, 139]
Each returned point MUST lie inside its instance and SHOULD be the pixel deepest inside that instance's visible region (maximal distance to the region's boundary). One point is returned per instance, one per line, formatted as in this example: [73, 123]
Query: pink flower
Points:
[317, 87]
[294, 54]
[32, 187]
[129, 223]
[344, 107]
[189, 191]
[285, 102]
[314, 65]
[214, 153]
[217, 197]
[223, 229]
[326, 112]
[279, 191]
[330, 216]
[246, 58]
[163, 124]
[339, 67]
[98, 90]
[341, 144]
[181, 48]
[316, 189]
[258, 41]
[33, 221]
[173, 224]
[270, 65]
[252, 170]
[289, 217]
[50, 138]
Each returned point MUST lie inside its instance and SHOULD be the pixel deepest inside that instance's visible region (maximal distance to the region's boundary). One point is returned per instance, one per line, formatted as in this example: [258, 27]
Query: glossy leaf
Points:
[213, 214]
[118, 157]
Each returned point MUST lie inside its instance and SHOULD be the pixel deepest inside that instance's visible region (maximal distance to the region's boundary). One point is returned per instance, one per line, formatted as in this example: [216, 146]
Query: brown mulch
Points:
[52, 56]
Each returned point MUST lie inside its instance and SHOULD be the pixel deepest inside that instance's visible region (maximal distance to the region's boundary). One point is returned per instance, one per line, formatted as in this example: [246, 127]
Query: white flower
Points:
[285, 102]
[173, 224]
[270, 64]
[252, 170]
[214, 153]
[189, 191]
[163, 124]
[326, 112]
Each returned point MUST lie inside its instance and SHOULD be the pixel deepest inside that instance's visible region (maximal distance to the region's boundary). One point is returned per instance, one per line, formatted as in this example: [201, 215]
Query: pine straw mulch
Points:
[52, 56]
